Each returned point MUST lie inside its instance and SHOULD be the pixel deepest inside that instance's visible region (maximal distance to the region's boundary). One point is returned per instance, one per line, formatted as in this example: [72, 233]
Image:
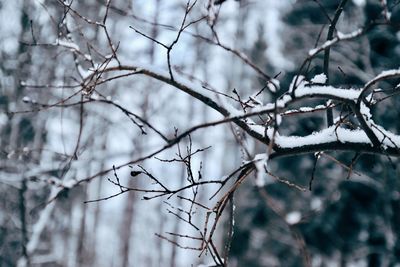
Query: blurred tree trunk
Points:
[20, 75]
[76, 218]
[127, 224]
[23, 59]
[95, 208]
[173, 259]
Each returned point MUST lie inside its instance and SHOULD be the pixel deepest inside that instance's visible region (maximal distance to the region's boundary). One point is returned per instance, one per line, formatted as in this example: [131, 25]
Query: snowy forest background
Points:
[79, 185]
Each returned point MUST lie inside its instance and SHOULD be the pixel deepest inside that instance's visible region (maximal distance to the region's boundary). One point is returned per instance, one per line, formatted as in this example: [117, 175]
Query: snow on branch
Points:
[328, 92]
[368, 135]
[335, 134]
[68, 44]
[388, 74]
[340, 37]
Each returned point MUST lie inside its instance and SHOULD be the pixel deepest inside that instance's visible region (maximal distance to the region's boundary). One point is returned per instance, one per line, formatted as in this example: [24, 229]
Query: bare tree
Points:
[257, 119]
